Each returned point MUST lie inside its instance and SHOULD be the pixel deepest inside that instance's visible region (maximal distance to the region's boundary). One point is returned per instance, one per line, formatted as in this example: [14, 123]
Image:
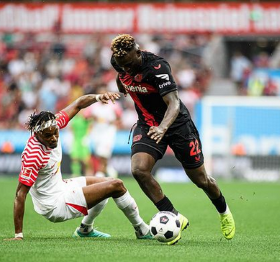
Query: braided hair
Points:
[36, 120]
[122, 44]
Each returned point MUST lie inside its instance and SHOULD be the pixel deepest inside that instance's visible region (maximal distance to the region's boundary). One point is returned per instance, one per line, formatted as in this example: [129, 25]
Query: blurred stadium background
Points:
[225, 58]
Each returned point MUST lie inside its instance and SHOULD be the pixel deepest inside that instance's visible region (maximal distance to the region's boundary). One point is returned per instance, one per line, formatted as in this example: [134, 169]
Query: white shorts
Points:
[72, 203]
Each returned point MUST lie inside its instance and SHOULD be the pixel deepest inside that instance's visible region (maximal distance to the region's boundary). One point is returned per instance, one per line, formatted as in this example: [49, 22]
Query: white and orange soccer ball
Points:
[165, 226]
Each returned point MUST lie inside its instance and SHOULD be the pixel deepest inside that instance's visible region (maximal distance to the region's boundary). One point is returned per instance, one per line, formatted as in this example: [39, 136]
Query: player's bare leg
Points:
[209, 185]
[141, 167]
[99, 190]
[142, 164]
[95, 208]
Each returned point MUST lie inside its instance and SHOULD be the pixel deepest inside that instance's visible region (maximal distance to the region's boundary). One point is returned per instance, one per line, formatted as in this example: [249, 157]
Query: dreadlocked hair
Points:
[122, 44]
[38, 119]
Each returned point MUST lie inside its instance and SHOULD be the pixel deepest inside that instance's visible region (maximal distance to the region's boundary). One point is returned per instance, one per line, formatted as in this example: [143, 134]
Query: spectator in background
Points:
[106, 121]
[275, 57]
[214, 55]
[240, 65]
[80, 149]
[58, 48]
[129, 115]
[185, 76]
[16, 66]
[9, 97]
[48, 94]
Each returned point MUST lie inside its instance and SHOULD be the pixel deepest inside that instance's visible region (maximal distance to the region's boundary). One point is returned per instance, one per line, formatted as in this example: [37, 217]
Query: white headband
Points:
[45, 125]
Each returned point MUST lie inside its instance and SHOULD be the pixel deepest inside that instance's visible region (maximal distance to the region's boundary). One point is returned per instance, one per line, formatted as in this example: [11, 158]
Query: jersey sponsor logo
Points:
[163, 76]
[138, 78]
[165, 84]
[157, 67]
[139, 89]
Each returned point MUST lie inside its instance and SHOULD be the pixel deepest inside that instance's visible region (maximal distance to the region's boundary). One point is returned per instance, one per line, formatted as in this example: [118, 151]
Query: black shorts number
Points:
[184, 141]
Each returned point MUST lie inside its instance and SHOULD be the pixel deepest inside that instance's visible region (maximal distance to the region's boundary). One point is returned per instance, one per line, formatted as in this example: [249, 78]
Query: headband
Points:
[45, 125]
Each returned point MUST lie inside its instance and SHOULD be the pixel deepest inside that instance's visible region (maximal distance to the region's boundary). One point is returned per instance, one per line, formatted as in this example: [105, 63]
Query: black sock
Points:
[220, 203]
[166, 205]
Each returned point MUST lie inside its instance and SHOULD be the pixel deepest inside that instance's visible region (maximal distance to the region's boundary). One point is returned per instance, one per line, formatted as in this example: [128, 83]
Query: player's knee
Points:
[118, 185]
[205, 182]
[202, 181]
[139, 173]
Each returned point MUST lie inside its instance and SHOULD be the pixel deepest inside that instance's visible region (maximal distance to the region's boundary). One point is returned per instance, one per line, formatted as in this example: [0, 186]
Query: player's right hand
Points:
[156, 133]
[109, 96]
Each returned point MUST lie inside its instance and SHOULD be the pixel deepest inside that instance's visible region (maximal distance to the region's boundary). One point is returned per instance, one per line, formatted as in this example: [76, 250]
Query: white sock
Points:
[92, 214]
[99, 174]
[111, 172]
[226, 212]
[129, 207]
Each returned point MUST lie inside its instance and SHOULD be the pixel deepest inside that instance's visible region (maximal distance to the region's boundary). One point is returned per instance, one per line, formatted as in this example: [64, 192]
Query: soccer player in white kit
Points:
[59, 200]
[103, 134]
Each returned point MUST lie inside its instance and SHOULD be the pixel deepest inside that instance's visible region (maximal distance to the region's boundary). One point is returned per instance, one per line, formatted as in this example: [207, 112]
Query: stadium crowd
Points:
[259, 76]
[46, 72]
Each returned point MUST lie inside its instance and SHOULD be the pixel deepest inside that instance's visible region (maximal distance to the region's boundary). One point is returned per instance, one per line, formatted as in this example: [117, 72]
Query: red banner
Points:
[224, 18]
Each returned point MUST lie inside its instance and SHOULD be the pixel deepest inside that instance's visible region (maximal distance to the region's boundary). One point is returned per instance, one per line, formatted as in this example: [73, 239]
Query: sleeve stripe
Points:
[32, 146]
[34, 157]
[35, 145]
[34, 153]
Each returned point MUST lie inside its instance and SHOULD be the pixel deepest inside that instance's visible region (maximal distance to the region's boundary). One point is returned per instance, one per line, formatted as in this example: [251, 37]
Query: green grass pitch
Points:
[256, 208]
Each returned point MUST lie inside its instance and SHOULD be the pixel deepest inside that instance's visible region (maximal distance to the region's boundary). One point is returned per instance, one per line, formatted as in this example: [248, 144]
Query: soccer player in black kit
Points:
[163, 120]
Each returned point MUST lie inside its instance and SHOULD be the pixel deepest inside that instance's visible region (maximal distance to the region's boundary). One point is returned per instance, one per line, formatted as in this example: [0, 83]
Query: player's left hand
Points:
[156, 133]
[109, 96]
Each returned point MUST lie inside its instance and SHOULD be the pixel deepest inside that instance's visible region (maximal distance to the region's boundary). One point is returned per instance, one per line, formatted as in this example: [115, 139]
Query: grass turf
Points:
[255, 207]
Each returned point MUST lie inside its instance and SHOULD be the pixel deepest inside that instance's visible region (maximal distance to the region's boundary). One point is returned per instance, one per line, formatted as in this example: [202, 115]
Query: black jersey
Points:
[147, 88]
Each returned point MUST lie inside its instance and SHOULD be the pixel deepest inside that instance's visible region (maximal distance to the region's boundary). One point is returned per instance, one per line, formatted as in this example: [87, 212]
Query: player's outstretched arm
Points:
[87, 100]
[19, 205]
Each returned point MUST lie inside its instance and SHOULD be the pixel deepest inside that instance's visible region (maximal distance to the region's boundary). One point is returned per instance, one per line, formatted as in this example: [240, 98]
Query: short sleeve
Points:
[62, 119]
[29, 169]
[162, 77]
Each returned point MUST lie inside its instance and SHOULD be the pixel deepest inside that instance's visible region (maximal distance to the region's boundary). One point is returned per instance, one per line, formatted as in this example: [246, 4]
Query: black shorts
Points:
[183, 140]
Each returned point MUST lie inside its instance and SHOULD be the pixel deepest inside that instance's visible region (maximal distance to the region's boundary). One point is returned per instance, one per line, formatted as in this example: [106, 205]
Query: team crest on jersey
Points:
[137, 138]
[138, 78]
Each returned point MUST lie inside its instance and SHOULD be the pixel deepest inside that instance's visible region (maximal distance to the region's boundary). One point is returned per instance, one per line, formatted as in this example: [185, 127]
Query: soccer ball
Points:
[165, 226]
